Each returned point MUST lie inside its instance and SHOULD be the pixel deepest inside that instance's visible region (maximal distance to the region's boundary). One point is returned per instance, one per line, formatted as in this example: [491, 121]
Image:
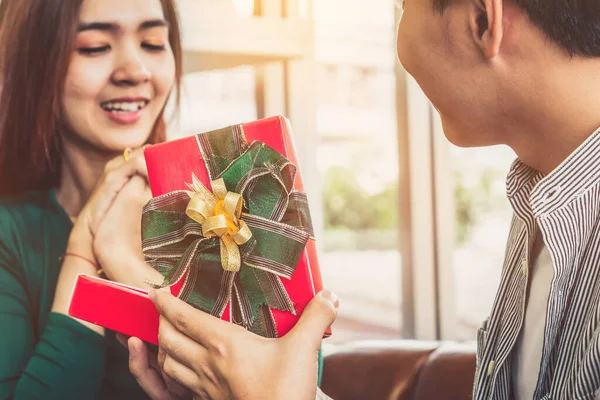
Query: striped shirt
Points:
[564, 207]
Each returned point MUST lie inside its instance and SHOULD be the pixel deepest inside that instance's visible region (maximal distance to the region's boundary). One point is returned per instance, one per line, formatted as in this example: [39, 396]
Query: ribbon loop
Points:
[243, 234]
[219, 188]
[199, 209]
[232, 206]
[230, 255]
[215, 226]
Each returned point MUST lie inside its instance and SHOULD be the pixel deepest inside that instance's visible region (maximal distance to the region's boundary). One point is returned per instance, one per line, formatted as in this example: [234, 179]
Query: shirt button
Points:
[491, 367]
[525, 267]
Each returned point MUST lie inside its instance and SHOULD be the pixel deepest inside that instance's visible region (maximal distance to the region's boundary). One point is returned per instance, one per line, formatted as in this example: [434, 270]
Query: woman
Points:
[82, 81]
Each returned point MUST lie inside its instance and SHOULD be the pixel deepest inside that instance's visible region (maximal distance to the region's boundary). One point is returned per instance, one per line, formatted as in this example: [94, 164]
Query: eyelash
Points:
[153, 47]
[97, 50]
[93, 50]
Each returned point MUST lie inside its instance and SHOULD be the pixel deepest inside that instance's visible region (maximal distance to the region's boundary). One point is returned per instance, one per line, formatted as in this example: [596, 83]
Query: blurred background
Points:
[411, 230]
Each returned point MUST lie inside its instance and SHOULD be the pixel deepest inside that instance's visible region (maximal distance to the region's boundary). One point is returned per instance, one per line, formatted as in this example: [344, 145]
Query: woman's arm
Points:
[66, 361]
[70, 269]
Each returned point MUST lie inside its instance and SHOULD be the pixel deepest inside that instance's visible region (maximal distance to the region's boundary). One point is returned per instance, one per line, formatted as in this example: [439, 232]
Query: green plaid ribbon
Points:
[277, 215]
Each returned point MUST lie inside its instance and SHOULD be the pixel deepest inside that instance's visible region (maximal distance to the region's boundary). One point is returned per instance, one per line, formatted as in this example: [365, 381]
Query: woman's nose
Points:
[131, 71]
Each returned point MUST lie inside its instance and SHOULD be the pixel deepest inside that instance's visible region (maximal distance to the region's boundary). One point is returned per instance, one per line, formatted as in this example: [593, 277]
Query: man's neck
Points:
[562, 114]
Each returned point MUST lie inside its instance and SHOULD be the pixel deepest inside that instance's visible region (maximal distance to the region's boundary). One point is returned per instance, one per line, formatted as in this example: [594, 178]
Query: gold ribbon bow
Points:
[219, 213]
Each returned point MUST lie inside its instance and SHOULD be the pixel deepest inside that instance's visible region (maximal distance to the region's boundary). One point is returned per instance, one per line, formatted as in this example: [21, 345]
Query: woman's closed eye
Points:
[93, 50]
[153, 47]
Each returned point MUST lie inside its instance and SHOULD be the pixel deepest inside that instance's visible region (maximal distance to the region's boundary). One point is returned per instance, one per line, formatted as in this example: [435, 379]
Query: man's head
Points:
[485, 63]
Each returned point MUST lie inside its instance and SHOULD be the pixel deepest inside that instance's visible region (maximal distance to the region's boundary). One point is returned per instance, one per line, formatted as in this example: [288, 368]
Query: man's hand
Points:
[143, 364]
[218, 360]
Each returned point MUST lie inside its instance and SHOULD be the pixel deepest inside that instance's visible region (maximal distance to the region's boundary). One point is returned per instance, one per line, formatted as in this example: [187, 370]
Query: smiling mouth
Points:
[123, 107]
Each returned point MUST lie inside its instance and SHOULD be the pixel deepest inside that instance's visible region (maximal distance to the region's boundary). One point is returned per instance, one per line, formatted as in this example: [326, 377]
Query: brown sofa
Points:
[399, 370]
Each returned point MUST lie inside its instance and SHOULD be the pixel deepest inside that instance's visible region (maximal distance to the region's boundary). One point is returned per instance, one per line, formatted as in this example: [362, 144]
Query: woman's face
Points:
[120, 75]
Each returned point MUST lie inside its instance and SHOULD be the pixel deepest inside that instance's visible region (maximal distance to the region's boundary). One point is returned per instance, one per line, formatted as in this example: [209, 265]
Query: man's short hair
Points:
[573, 24]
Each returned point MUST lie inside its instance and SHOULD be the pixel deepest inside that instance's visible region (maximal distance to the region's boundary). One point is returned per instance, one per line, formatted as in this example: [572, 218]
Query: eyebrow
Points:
[112, 27]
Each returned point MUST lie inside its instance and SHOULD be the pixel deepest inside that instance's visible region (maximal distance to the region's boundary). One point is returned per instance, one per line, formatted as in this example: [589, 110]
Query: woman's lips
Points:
[124, 118]
[124, 111]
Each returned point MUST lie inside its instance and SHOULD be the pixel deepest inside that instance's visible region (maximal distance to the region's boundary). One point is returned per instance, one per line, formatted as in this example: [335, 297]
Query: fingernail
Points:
[331, 298]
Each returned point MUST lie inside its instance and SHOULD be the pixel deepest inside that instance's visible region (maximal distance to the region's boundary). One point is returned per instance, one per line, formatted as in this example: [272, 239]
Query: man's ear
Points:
[486, 26]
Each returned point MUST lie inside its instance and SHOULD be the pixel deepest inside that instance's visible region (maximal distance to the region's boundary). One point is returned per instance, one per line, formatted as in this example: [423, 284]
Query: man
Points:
[523, 73]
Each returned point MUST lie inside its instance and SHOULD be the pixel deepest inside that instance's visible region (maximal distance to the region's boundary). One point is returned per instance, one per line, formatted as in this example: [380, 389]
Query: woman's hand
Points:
[117, 173]
[118, 241]
[218, 360]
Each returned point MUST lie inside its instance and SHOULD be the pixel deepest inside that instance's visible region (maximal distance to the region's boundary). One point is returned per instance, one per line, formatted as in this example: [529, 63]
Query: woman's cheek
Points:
[164, 72]
[85, 78]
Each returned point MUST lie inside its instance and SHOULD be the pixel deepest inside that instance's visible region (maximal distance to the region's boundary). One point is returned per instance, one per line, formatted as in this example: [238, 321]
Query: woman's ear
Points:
[487, 26]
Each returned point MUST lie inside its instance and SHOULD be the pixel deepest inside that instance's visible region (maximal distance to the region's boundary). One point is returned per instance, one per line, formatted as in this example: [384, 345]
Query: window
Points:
[214, 99]
[358, 167]
[483, 217]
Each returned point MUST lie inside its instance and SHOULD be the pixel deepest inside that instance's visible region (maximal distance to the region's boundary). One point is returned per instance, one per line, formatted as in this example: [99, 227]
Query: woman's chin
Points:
[119, 141]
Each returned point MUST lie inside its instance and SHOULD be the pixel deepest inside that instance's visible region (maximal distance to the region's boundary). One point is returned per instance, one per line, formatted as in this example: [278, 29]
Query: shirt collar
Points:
[574, 176]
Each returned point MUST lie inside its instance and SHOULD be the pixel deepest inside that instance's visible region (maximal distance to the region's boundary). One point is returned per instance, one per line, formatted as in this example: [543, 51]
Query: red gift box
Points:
[170, 166]
[115, 306]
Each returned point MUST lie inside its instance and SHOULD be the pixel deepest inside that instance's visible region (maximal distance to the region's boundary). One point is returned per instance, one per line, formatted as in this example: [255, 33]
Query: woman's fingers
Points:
[117, 241]
[117, 174]
[118, 171]
[147, 377]
[120, 160]
[137, 163]
[135, 193]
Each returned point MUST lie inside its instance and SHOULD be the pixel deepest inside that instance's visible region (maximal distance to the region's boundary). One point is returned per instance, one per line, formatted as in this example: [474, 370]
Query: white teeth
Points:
[123, 106]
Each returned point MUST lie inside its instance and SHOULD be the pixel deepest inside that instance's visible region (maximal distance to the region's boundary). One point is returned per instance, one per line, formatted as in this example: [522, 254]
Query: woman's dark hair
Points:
[573, 24]
[36, 42]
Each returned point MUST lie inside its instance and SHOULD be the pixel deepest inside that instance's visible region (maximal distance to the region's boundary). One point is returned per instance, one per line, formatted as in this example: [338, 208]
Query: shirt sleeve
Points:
[63, 361]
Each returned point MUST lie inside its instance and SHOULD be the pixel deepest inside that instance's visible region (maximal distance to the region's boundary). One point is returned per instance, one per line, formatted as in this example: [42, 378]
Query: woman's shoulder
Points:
[29, 204]
[26, 211]
[29, 222]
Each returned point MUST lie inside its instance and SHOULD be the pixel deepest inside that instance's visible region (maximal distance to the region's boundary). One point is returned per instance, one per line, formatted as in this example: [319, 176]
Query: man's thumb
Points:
[317, 317]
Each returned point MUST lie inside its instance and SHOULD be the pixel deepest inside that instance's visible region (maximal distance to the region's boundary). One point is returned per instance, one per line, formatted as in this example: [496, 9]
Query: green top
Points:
[43, 354]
